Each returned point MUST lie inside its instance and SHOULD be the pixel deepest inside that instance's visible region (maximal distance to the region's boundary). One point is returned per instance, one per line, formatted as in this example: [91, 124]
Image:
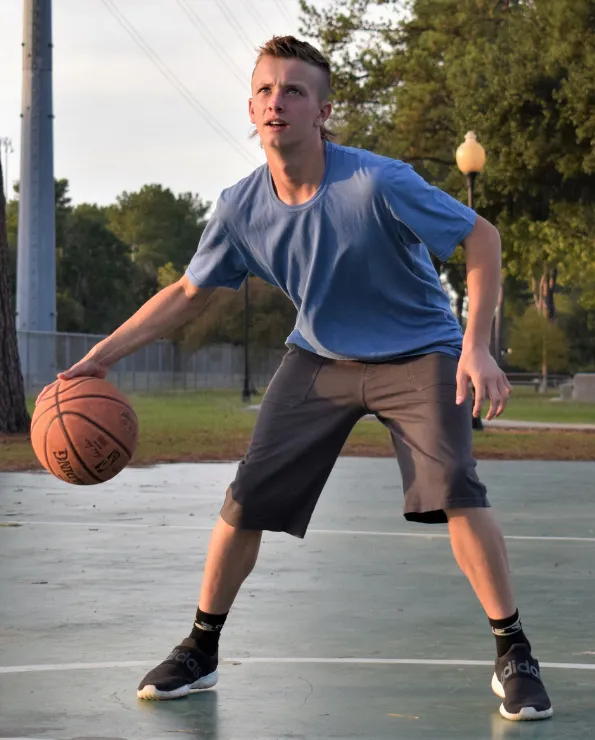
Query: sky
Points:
[119, 123]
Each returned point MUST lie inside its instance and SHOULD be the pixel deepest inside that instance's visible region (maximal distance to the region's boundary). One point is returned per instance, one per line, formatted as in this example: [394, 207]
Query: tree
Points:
[535, 341]
[95, 275]
[519, 72]
[13, 410]
[63, 208]
[160, 228]
[272, 318]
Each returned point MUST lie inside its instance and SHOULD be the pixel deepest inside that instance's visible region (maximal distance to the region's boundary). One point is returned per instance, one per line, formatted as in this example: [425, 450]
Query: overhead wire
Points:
[230, 18]
[259, 20]
[190, 98]
[284, 12]
[196, 21]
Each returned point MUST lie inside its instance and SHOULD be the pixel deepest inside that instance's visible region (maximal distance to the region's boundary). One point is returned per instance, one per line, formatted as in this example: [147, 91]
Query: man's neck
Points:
[297, 175]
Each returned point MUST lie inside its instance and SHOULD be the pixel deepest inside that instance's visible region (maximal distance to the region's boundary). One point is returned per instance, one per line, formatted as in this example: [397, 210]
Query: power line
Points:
[215, 45]
[156, 60]
[284, 12]
[234, 24]
[258, 18]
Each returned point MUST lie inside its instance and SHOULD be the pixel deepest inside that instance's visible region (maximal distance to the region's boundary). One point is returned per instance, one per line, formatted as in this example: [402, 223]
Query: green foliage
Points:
[167, 275]
[411, 78]
[94, 274]
[534, 341]
[102, 274]
[159, 226]
[271, 318]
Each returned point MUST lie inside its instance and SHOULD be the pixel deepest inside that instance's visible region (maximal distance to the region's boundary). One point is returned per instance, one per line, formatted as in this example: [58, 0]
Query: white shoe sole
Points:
[527, 714]
[152, 693]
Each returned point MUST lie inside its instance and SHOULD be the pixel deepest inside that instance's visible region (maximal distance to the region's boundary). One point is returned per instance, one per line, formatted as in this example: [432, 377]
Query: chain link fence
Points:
[161, 366]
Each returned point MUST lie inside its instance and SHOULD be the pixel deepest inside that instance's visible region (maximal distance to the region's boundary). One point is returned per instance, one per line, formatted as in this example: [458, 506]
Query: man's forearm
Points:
[483, 257]
[170, 308]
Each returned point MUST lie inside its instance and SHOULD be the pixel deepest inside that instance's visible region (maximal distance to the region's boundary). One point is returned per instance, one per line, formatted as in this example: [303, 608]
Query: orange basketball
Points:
[83, 430]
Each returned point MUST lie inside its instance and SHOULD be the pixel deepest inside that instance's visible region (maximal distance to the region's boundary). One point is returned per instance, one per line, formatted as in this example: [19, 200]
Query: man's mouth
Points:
[277, 124]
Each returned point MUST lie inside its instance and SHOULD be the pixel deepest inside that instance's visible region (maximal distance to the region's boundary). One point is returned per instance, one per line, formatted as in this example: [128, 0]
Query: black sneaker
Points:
[184, 670]
[517, 680]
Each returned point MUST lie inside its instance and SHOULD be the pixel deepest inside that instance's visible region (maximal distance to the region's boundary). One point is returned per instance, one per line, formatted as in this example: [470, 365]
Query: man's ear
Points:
[324, 113]
[251, 111]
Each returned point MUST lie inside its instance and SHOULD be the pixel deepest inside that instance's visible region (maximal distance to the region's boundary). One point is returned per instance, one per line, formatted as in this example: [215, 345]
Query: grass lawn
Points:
[213, 425]
[526, 405]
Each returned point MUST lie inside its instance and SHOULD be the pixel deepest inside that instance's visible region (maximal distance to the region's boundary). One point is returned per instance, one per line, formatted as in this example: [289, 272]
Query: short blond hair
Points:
[288, 47]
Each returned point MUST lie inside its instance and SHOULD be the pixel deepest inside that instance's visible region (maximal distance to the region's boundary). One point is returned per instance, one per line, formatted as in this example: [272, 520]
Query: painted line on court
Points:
[11, 669]
[343, 532]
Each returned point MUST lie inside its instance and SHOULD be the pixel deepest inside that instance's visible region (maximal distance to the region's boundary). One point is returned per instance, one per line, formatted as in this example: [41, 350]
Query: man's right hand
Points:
[87, 367]
[162, 313]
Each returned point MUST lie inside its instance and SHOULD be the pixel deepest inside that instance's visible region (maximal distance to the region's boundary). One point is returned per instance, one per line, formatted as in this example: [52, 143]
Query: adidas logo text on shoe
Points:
[523, 667]
[186, 660]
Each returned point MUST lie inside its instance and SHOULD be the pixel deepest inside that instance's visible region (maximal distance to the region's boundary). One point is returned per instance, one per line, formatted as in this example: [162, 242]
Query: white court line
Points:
[291, 661]
[359, 532]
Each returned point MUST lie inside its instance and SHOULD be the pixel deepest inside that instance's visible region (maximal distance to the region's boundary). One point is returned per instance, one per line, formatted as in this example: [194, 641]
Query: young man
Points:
[345, 234]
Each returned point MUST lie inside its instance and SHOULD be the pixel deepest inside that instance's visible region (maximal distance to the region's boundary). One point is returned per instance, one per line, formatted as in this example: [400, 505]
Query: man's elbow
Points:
[194, 295]
[483, 234]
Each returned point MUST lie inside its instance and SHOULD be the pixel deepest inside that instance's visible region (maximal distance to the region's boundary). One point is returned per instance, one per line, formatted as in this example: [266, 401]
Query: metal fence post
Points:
[160, 361]
[147, 368]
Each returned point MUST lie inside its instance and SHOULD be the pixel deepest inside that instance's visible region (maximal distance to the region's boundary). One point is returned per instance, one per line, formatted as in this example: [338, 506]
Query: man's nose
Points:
[276, 101]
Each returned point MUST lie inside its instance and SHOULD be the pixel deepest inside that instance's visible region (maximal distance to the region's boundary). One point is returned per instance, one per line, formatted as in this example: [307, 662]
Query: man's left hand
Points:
[477, 365]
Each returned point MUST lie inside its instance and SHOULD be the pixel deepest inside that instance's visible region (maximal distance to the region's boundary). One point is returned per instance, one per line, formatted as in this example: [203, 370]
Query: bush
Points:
[534, 338]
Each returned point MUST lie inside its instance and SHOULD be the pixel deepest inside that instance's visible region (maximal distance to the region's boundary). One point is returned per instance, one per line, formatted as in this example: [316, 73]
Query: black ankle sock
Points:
[206, 631]
[508, 632]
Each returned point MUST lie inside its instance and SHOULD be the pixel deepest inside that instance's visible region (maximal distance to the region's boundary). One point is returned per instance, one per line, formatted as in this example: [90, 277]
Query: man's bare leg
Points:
[480, 552]
[192, 665]
[231, 557]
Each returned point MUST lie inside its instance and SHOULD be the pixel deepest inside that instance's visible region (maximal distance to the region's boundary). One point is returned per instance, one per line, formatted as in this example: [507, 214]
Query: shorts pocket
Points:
[295, 378]
[431, 370]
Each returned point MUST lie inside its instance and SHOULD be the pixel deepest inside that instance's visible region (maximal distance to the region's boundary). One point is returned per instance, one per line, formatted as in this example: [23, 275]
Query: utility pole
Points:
[36, 260]
[6, 144]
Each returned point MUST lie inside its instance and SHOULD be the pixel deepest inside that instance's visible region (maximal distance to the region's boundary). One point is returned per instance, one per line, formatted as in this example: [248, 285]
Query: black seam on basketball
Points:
[102, 395]
[89, 395]
[74, 384]
[45, 436]
[43, 413]
[34, 422]
[101, 429]
[78, 457]
[56, 394]
[45, 445]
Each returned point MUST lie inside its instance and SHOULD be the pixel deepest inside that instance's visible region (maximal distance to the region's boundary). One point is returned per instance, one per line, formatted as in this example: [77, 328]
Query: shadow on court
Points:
[366, 629]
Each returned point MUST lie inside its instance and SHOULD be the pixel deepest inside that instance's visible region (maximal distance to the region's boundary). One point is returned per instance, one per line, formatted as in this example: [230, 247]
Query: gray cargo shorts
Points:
[307, 413]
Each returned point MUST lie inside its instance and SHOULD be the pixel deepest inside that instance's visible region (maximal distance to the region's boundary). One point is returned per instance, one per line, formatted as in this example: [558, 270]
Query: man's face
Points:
[287, 104]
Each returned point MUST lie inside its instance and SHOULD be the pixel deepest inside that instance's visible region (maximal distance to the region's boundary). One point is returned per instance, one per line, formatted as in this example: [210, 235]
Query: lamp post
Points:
[471, 158]
[246, 395]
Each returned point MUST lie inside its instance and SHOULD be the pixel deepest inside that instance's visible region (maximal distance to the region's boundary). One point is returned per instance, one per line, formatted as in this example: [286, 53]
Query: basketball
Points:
[83, 430]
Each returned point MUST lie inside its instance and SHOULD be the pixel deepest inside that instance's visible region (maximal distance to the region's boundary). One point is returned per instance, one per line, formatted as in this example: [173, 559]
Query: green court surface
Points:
[365, 629]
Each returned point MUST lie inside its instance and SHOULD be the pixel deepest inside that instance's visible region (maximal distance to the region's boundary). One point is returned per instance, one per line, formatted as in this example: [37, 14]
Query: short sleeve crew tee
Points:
[354, 259]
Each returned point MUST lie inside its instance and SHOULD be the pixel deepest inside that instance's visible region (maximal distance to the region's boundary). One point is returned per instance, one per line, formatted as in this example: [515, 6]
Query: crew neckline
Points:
[328, 155]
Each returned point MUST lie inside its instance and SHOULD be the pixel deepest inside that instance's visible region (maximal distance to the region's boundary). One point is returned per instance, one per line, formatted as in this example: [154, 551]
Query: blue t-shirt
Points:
[353, 259]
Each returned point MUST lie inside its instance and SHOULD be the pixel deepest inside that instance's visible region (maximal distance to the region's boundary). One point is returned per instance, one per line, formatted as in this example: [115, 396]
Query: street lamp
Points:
[471, 158]
[246, 395]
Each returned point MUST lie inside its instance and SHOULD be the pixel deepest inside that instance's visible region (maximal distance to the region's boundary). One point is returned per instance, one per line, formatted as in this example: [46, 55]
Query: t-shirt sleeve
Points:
[437, 219]
[218, 261]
